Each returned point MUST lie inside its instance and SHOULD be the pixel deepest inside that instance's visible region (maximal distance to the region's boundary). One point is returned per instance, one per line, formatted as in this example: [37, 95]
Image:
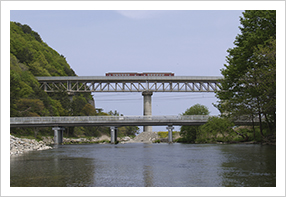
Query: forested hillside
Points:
[30, 57]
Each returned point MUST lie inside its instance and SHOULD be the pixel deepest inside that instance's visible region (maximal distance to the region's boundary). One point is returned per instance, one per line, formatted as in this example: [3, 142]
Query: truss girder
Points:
[130, 86]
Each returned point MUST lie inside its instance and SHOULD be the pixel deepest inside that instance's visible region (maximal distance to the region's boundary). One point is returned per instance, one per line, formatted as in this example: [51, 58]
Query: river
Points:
[146, 165]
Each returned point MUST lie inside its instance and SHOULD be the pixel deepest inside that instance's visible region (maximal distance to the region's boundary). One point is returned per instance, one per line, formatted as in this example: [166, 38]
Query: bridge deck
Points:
[130, 84]
[111, 121]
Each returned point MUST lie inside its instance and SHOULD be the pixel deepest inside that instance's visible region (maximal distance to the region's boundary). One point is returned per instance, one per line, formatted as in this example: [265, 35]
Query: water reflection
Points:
[35, 170]
[247, 165]
[147, 167]
[148, 176]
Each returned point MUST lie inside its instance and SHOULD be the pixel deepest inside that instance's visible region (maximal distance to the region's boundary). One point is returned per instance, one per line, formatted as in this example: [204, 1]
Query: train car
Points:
[117, 74]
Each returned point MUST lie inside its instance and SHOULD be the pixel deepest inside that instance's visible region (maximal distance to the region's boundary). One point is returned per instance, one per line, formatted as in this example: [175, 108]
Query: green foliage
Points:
[162, 134]
[165, 134]
[88, 110]
[197, 109]
[78, 103]
[30, 107]
[249, 86]
[189, 133]
[79, 131]
[115, 113]
[216, 129]
[128, 131]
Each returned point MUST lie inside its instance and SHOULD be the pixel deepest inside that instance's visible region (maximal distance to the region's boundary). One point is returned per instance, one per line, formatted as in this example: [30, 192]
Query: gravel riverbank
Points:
[21, 145]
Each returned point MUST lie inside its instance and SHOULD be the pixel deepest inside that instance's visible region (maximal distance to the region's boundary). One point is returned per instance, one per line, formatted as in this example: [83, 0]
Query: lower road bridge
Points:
[58, 123]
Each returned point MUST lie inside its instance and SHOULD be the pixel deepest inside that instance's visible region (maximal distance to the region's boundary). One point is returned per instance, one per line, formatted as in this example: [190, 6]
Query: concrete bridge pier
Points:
[58, 135]
[69, 90]
[147, 108]
[113, 134]
[170, 136]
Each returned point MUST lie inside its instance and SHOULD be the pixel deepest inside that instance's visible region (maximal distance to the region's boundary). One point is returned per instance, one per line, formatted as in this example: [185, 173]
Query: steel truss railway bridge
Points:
[144, 84]
[130, 84]
[112, 121]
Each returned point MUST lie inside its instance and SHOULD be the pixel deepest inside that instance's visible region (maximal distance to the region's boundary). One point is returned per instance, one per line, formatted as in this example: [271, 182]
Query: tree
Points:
[216, 129]
[265, 70]
[250, 71]
[189, 133]
[88, 110]
[31, 107]
[78, 104]
[115, 113]
[197, 109]
[128, 131]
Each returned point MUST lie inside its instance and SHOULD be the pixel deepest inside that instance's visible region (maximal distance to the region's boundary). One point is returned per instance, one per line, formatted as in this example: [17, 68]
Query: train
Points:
[119, 74]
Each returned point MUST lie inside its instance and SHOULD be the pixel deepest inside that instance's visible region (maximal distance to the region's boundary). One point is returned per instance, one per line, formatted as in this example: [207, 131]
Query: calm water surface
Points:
[146, 165]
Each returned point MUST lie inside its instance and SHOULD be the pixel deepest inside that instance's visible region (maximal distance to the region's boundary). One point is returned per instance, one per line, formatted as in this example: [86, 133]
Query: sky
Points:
[185, 42]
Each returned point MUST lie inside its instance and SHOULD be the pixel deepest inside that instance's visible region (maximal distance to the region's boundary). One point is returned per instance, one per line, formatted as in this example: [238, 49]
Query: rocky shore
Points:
[21, 145]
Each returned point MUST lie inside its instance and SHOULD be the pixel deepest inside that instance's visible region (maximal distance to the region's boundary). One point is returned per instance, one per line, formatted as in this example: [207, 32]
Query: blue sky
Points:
[186, 42]
[95, 42]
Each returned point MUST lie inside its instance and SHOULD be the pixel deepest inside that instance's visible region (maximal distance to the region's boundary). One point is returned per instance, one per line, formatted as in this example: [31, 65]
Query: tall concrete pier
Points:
[147, 108]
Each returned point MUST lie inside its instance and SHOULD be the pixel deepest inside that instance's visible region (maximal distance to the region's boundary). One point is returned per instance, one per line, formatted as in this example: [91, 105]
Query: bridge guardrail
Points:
[61, 119]
[115, 120]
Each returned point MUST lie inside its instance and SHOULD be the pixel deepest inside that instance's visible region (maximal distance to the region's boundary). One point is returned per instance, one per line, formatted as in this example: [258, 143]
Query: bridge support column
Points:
[58, 135]
[147, 108]
[170, 133]
[69, 90]
[113, 135]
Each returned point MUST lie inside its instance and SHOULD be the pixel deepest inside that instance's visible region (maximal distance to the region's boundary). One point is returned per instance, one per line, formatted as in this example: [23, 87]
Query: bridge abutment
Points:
[113, 135]
[58, 135]
[170, 133]
[147, 108]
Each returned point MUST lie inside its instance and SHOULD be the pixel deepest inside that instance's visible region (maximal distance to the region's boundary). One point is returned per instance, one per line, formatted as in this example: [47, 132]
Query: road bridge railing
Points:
[107, 120]
[47, 121]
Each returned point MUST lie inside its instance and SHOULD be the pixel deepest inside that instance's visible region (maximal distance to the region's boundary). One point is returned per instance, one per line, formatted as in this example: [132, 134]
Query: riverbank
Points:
[21, 145]
[144, 137]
